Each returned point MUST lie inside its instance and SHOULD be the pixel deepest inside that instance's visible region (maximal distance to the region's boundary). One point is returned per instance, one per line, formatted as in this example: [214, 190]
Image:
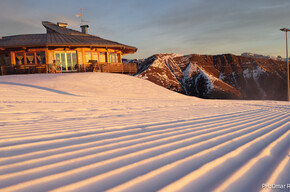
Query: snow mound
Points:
[92, 84]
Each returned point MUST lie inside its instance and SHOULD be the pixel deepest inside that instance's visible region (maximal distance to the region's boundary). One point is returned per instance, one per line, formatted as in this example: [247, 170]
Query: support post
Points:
[286, 30]
[287, 59]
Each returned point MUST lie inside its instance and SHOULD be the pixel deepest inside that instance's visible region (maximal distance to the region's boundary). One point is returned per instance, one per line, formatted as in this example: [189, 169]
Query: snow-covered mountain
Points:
[217, 76]
[274, 57]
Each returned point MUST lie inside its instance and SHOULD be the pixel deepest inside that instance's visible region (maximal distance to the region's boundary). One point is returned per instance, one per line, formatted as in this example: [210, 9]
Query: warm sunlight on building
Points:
[62, 50]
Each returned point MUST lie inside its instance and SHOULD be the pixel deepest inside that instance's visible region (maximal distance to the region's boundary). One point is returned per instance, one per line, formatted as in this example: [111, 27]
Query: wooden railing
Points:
[128, 68]
[24, 69]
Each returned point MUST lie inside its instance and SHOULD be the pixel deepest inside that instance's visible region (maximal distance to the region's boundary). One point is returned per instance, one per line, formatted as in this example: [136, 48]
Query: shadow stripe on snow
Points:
[153, 138]
[91, 170]
[37, 138]
[55, 143]
[230, 162]
[102, 183]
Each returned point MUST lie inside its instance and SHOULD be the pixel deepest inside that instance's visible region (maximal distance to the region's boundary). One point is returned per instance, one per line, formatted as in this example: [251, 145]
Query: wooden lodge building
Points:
[62, 50]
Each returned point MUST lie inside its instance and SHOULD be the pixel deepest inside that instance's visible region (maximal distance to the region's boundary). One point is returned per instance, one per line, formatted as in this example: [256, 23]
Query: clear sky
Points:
[162, 26]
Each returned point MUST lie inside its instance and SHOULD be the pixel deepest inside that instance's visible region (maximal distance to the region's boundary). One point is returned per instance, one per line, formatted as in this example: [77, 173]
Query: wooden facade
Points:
[62, 50]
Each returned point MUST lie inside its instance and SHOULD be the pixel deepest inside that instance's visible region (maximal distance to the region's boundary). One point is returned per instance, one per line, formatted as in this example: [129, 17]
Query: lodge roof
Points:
[61, 36]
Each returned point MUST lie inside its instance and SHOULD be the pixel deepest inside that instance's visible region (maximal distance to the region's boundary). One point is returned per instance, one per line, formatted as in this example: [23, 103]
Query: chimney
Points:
[60, 24]
[85, 29]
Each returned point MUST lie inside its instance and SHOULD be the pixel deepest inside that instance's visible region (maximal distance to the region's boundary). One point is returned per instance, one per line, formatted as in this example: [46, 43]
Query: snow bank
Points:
[98, 131]
[92, 84]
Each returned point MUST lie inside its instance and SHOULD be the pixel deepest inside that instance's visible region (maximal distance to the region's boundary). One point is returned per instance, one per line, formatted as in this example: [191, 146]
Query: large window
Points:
[40, 58]
[71, 61]
[67, 61]
[92, 55]
[30, 58]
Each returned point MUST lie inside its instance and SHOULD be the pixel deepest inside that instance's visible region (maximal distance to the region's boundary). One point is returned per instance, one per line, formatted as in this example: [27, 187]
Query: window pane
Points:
[30, 58]
[57, 58]
[50, 58]
[19, 58]
[69, 59]
[102, 57]
[75, 61]
[62, 61]
[6, 59]
[114, 57]
[95, 56]
[118, 58]
[80, 56]
[88, 56]
[40, 58]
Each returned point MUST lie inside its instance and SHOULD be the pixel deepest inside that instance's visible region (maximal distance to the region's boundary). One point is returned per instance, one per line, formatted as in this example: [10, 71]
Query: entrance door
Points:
[66, 60]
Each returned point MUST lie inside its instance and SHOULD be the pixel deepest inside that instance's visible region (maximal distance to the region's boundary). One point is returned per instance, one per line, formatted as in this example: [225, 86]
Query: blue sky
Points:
[162, 26]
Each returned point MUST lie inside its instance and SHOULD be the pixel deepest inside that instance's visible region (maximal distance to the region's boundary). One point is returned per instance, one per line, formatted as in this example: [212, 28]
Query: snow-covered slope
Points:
[98, 131]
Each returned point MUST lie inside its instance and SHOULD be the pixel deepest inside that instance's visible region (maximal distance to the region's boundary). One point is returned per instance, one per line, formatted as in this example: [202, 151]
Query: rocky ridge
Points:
[224, 76]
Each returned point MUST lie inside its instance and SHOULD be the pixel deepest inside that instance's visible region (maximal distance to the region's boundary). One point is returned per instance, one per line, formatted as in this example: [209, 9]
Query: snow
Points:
[100, 131]
[191, 67]
[255, 73]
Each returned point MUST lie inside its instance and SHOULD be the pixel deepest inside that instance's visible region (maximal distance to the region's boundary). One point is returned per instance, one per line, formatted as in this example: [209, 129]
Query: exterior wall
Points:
[101, 50]
[109, 60]
[4, 61]
[15, 68]
[87, 54]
